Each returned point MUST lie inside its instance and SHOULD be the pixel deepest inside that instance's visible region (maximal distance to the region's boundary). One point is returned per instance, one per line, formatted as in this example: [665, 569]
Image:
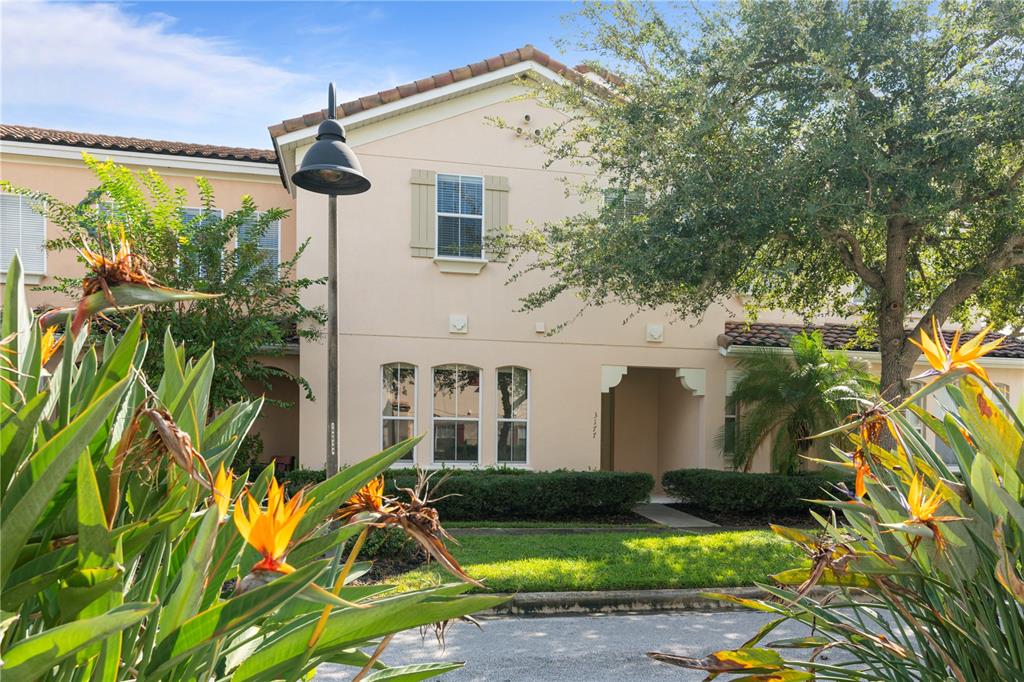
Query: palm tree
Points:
[788, 397]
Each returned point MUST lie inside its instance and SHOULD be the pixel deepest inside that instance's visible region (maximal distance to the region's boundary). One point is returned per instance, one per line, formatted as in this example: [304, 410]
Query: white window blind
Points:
[269, 243]
[460, 216]
[22, 231]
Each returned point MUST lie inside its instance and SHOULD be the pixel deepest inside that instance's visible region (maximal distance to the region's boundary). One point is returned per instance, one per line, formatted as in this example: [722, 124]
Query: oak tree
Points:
[854, 158]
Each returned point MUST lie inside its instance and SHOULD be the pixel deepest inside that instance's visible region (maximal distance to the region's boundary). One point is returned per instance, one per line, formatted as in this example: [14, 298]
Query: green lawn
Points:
[610, 561]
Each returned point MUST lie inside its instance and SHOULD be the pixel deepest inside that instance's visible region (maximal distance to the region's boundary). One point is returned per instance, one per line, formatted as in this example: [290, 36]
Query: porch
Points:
[652, 419]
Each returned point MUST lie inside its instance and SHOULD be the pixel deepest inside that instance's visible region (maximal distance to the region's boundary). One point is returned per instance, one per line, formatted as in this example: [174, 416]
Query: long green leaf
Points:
[36, 484]
[412, 673]
[16, 436]
[183, 602]
[231, 615]
[34, 657]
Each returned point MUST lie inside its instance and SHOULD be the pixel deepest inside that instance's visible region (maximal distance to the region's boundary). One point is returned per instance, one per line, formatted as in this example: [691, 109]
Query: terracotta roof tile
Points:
[522, 54]
[68, 138]
[836, 336]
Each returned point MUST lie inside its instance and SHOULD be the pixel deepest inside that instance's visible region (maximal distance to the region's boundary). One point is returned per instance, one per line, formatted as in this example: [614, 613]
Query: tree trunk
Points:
[892, 340]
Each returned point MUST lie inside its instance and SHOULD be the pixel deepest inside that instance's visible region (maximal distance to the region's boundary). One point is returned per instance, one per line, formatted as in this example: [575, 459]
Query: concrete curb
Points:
[624, 601]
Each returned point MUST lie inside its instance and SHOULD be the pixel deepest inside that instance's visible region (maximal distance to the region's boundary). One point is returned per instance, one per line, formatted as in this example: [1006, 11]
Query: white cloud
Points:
[96, 68]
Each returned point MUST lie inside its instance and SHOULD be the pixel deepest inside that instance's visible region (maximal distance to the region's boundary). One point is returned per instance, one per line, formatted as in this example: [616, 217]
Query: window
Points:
[513, 414]
[22, 231]
[456, 414]
[268, 242]
[398, 405]
[912, 417]
[946, 406]
[195, 220]
[732, 410]
[460, 216]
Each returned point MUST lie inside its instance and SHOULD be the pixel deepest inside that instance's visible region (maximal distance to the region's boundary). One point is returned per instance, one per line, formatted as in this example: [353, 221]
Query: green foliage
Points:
[786, 398]
[117, 562]
[733, 492]
[516, 494]
[924, 571]
[818, 157]
[259, 312]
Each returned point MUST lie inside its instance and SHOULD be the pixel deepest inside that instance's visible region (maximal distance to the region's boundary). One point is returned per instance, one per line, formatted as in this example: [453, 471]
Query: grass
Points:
[612, 561]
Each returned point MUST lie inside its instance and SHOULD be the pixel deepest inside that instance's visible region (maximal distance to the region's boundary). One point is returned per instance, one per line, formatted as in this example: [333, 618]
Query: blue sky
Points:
[220, 72]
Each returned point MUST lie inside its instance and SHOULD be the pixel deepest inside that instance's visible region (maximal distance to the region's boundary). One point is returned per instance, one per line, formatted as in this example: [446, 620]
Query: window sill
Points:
[437, 466]
[461, 266]
[29, 278]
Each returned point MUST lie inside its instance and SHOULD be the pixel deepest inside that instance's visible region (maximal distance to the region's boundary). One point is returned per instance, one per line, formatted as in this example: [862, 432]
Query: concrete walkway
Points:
[673, 518]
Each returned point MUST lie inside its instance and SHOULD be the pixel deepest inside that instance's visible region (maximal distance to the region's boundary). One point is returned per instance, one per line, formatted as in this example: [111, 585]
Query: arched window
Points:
[456, 414]
[513, 396]
[398, 405]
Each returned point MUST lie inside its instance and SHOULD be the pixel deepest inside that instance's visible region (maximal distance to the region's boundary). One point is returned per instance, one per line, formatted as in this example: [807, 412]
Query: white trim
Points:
[478, 419]
[611, 375]
[694, 380]
[438, 214]
[735, 351]
[498, 420]
[198, 163]
[415, 407]
[459, 266]
[424, 98]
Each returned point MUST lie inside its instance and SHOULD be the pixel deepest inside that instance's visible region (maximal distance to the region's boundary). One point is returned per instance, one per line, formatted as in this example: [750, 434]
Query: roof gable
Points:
[527, 53]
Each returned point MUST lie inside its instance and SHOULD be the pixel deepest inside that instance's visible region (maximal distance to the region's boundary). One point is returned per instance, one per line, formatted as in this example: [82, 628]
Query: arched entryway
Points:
[652, 419]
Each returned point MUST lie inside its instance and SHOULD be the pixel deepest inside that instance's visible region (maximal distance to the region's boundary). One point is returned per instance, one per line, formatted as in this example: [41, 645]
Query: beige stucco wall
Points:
[69, 180]
[395, 307]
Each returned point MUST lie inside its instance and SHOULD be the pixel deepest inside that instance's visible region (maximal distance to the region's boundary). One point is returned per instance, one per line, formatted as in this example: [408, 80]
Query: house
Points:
[430, 338]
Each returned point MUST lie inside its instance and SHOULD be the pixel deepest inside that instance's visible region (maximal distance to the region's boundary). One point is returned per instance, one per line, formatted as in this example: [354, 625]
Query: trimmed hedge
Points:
[743, 493]
[518, 495]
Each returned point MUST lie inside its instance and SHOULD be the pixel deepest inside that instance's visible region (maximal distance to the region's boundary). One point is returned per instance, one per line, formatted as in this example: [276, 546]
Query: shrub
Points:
[735, 492]
[516, 494]
[923, 565]
[118, 541]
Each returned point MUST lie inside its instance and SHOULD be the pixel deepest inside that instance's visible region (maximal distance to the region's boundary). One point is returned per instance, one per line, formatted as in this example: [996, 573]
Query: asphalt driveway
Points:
[564, 648]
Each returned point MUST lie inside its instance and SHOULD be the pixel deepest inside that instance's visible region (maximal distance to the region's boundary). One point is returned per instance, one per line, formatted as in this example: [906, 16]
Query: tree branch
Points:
[852, 255]
[1006, 255]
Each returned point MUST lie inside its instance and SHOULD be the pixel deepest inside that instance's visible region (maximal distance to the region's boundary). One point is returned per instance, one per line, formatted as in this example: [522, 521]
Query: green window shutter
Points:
[495, 206]
[424, 213]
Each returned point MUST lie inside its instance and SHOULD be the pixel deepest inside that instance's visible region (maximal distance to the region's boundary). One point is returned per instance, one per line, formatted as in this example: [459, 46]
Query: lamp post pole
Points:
[332, 332]
[330, 167]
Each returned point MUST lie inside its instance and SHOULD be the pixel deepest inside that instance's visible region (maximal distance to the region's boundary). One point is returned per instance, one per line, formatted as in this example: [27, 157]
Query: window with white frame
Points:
[460, 216]
[195, 220]
[922, 403]
[732, 410]
[22, 231]
[398, 405]
[268, 242]
[513, 388]
[456, 414]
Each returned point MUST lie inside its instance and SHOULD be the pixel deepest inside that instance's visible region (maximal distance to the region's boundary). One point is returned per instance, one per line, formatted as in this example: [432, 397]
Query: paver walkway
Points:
[673, 518]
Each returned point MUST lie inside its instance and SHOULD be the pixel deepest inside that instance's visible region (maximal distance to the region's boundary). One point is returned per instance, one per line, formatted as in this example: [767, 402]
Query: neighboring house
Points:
[431, 341]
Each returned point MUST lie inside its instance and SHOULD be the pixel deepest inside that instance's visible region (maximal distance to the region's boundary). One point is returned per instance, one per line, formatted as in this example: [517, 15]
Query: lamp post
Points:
[330, 167]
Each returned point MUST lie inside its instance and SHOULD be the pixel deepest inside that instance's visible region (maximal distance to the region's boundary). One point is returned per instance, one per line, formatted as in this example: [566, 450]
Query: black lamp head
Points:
[330, 166]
